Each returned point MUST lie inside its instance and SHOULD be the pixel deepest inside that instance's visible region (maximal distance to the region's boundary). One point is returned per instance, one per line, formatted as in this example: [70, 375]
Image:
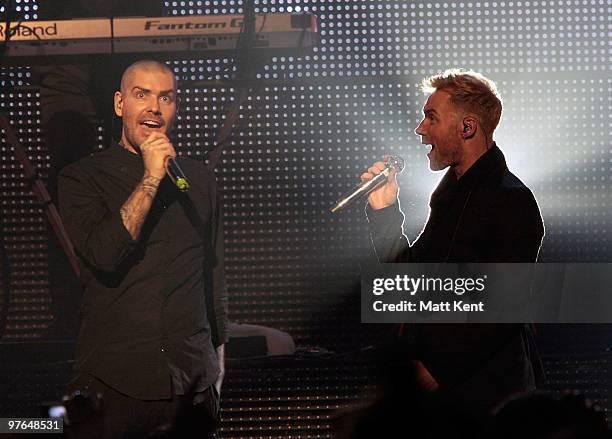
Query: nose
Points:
[154, 105]
[419, 130]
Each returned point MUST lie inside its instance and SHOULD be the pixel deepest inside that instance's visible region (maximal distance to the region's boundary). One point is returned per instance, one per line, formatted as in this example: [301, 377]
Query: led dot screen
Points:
[25, 286]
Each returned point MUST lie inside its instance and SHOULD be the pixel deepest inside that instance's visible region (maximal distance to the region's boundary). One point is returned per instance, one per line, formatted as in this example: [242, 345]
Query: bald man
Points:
[153, 319]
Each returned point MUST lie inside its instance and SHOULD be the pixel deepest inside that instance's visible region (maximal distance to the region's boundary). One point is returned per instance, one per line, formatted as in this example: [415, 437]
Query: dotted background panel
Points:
[296, 149]
[370, 38]
[24, 9]
[25, 290]
[560, 128]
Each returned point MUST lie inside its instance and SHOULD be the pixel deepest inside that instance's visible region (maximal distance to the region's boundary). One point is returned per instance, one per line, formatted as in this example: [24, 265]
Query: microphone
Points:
[364, 188]
[176, 174]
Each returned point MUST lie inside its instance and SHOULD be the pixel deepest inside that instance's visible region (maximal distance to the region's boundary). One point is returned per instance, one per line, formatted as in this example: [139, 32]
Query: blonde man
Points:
[480, 212]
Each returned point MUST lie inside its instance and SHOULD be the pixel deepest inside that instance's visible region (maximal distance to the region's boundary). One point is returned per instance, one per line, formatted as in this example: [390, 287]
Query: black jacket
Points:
[488, 215]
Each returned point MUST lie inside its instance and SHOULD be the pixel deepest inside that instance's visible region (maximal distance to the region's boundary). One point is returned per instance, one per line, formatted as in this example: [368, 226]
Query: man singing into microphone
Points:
[153, 317]
[480, 212]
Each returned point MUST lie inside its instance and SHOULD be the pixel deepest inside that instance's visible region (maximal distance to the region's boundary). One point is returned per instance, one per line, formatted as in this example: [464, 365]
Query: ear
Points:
[470, 124]
[118, 99]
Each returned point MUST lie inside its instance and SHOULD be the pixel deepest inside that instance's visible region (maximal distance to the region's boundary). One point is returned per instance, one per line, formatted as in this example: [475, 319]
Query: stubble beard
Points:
[451, 151]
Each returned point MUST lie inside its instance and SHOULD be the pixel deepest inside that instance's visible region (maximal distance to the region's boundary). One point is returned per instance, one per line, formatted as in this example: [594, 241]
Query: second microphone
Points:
[364, 188]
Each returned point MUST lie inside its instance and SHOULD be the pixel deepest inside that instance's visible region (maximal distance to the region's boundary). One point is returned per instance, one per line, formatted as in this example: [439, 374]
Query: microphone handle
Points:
[361, 190]
[176, 174]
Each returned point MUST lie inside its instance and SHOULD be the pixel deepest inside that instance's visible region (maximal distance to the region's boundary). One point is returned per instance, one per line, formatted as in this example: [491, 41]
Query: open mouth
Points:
[425, 142]
[151, 124]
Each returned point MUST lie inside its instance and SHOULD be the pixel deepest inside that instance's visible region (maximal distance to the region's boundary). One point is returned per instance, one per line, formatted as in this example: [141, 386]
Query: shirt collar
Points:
[118, 149]
[491, 161]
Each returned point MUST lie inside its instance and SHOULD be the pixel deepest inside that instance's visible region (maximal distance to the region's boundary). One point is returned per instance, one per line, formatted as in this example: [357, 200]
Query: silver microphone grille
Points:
[396, 162]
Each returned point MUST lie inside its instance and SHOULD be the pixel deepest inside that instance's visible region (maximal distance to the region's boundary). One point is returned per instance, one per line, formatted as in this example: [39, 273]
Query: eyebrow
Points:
[146, 90]
[429, 110]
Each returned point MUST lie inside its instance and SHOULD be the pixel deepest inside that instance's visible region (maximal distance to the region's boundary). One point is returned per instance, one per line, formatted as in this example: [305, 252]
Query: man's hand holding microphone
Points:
[386, 194]
[156, 151]
[379, 183]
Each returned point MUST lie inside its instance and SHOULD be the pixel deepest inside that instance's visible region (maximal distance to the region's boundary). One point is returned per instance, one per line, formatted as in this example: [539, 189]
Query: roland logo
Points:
[29, 30]
[179, 25]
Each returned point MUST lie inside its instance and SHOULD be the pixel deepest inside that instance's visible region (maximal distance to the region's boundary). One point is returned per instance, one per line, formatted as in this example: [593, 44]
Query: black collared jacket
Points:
[488, 215]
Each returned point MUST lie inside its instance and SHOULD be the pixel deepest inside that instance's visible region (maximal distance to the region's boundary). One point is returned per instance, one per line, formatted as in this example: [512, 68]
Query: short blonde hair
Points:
[469, 91]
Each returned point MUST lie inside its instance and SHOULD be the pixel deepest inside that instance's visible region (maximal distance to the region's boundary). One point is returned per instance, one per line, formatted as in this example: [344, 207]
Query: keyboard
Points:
[57, 41]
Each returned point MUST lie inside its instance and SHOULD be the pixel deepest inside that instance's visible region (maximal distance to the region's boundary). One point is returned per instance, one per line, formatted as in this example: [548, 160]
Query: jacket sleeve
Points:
[386, 232]
[217, 308]
[97, 233]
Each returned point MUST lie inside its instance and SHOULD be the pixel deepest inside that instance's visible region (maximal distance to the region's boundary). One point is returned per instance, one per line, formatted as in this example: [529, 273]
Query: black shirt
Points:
[149, 304]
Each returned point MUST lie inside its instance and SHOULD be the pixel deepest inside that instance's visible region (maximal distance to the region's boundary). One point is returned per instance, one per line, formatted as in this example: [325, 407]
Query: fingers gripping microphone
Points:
[176, 174]
[364, 188]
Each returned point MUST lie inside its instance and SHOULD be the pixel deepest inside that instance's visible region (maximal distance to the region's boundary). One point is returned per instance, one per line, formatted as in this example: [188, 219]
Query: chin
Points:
[433, 166]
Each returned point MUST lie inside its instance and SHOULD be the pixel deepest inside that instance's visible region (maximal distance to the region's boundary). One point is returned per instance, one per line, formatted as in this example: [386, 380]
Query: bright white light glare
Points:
[57, 411]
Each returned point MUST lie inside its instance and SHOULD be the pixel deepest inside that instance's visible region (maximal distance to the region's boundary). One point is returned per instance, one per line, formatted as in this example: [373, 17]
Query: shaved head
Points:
[147, 65]
[146, 103]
